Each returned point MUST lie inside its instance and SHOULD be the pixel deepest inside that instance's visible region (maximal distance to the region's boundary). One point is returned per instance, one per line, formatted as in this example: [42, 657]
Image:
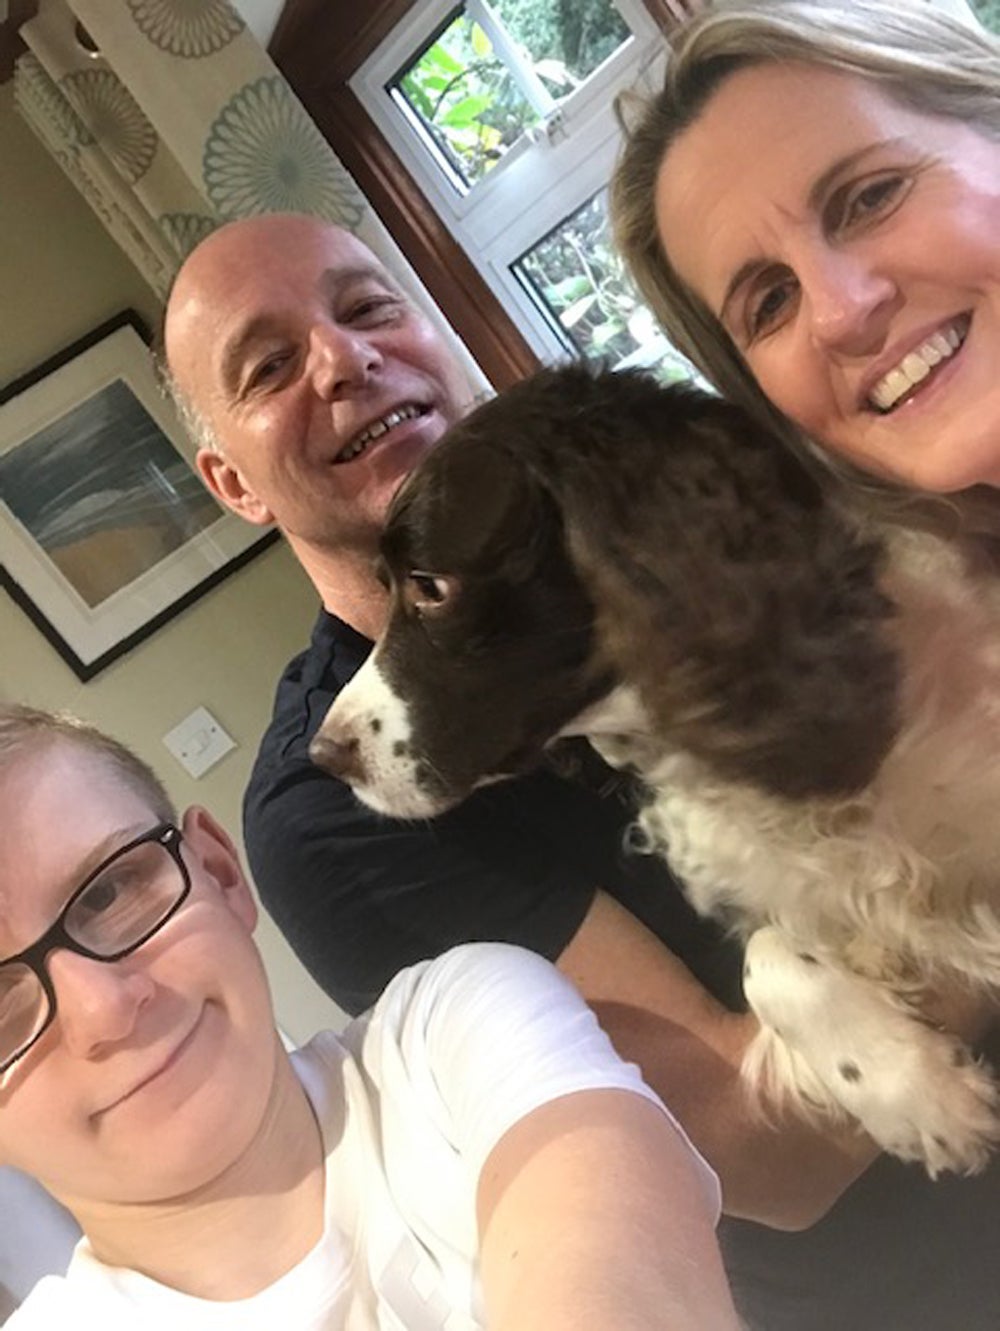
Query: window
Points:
[492, 74]
[988, 13]
[577, 282]
[502, 110]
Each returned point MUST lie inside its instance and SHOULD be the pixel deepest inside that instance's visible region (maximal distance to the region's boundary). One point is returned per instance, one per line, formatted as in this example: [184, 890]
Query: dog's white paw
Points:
[833, 1039]
[931, 1102]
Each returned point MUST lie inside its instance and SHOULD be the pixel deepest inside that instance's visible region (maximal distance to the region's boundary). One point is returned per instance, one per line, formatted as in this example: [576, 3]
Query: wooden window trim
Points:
[11, 43]
[319, 46]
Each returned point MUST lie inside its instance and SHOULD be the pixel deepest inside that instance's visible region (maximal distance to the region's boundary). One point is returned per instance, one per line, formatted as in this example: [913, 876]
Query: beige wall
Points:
[60, 276]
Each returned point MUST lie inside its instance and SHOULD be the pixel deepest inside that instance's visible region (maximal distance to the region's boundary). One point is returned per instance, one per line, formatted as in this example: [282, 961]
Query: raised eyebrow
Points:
[356, 280]
[84, 869]
[824, 183]
[331, 282]
[818, 192]
[335, 278]
[235, 348]
[104, 850]
[743, 275]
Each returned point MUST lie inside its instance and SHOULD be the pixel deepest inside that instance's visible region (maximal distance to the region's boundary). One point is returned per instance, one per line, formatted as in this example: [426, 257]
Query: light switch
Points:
[198, 742]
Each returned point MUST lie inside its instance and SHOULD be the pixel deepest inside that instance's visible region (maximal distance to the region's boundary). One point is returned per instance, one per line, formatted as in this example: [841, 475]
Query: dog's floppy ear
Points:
[728, 589]
[475, 506]
[438, 518]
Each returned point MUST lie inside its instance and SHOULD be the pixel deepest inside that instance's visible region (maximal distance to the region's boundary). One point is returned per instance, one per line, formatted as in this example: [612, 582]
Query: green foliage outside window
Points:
[577, 275]
[988, 13]
[467, 99]
[472, 109]
[566, 39]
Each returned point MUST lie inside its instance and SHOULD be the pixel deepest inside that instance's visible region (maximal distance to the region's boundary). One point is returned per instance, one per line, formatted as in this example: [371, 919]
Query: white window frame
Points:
[543, 178]
[958, 9]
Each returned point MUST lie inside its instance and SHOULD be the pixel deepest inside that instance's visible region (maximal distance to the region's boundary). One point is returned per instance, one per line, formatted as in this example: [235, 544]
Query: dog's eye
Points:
[429, 593]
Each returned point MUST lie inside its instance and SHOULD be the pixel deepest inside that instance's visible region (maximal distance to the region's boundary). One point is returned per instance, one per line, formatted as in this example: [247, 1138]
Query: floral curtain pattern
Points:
[187, 28]
[170, 118]
[92, 127]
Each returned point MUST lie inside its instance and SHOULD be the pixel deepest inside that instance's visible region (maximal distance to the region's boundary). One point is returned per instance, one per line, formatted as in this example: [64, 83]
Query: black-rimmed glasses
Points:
[127, 898]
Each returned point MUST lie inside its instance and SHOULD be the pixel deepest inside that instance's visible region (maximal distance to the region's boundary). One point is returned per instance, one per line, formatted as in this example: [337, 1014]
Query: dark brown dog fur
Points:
[584, 508]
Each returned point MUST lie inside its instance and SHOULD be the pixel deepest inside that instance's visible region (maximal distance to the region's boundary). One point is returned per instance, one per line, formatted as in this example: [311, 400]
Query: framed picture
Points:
[106, 531]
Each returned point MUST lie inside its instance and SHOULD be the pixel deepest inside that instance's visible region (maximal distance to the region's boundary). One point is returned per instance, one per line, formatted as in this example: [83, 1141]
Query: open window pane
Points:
[502, 111]
[465, 100]
[576, 278]
[565, 40]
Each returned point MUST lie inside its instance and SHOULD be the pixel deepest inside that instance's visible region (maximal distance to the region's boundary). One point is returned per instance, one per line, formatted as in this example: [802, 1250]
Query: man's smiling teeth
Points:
[914, 367]
[378, 428]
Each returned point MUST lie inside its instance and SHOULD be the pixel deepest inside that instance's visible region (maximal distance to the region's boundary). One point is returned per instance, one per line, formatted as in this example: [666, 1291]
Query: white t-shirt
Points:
[411, 1099]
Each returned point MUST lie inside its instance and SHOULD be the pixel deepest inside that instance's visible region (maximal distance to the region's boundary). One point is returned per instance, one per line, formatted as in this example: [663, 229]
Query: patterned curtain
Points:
[96, 132]
[171, 118]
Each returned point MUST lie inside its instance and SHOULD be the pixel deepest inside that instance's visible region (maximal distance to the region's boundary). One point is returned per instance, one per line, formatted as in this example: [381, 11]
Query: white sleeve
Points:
[487, 1033]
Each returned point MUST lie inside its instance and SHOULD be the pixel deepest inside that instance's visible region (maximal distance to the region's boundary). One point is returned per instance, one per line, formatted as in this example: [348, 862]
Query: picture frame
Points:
[106, 530]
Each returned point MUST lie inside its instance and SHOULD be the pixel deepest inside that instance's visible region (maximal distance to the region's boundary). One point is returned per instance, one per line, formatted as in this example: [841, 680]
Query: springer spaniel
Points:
[813, 706]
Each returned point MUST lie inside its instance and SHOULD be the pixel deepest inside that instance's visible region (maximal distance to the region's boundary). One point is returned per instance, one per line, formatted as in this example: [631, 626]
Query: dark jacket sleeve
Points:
[359, 896]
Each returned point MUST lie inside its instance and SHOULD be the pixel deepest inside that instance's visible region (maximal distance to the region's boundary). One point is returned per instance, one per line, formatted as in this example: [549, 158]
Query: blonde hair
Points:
[27, 731]
[922, 58]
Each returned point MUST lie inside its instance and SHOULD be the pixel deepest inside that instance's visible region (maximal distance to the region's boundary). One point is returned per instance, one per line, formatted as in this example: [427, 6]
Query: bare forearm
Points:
[782, 1173]
[689, 1047]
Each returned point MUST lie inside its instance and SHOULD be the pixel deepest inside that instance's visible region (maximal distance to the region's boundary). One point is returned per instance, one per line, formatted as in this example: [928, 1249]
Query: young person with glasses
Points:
[469, 1154]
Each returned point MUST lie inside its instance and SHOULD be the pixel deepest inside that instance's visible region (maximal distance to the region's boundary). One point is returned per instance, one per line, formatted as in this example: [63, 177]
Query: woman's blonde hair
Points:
[922, 57]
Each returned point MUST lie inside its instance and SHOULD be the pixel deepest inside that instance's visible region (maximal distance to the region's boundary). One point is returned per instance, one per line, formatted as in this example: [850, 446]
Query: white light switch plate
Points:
[198, 742]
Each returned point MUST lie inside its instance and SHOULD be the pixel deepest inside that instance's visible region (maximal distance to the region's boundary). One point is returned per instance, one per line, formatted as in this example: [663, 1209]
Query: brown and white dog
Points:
[813, 705]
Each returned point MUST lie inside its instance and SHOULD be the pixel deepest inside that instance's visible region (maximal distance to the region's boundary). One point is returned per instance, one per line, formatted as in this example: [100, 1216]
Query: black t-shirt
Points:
[359, 896]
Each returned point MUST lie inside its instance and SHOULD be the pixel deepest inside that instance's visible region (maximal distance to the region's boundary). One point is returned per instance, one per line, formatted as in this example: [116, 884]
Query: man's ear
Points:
[214, 852]
[229, 487]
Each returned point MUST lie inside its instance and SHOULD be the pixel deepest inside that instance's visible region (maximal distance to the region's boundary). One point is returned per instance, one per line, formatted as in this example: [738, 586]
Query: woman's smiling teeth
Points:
[378, 428]
[916, 365]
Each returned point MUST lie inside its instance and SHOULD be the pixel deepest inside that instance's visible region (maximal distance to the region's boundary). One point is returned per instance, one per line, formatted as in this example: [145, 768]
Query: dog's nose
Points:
[339, 757]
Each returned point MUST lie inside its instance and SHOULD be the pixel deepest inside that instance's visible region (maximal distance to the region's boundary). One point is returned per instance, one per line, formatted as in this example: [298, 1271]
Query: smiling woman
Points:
[855, 241]
[844, 275]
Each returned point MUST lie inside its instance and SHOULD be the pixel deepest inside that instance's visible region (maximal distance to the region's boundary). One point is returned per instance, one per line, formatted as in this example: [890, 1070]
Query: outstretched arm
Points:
[594, 1213]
